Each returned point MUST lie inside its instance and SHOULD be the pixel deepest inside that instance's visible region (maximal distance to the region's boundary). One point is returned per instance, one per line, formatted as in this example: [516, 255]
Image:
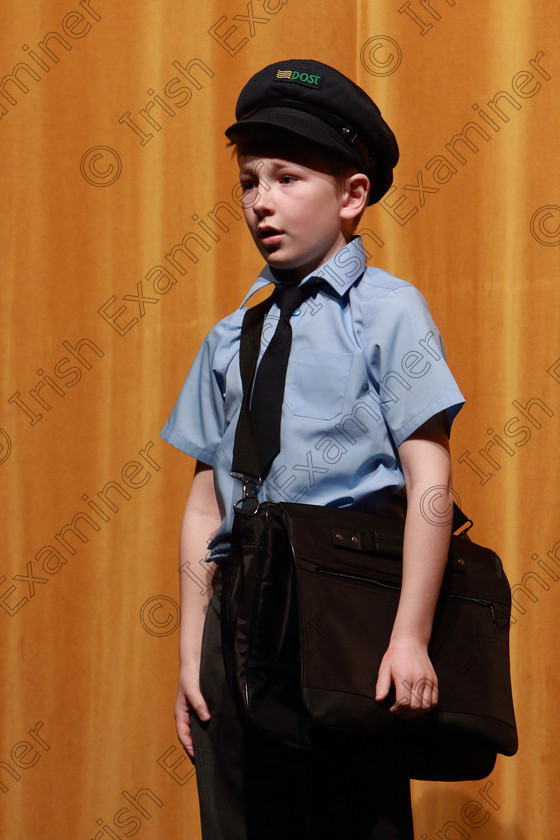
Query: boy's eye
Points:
[247, 185]
[287, 179]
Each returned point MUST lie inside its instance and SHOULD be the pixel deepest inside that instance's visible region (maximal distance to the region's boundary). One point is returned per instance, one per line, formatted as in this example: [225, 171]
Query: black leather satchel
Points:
[309, 599]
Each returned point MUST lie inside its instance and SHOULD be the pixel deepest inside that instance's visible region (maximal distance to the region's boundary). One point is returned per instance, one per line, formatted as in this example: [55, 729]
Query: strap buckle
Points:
[249, 502]
[461, 531]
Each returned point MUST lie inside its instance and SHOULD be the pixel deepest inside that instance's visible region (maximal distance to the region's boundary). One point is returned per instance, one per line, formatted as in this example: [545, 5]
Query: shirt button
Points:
[365, 386]
[296, 312]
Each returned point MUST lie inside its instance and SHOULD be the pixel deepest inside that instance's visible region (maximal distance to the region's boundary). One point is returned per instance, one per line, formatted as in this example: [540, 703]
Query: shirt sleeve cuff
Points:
[187, 446]
[450, 404]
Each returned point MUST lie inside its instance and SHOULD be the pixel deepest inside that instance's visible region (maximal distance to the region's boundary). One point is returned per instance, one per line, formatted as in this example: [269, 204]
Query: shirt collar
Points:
[341, 271]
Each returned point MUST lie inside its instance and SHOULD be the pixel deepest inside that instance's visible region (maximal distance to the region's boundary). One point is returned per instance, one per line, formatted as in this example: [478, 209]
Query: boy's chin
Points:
[282, 262]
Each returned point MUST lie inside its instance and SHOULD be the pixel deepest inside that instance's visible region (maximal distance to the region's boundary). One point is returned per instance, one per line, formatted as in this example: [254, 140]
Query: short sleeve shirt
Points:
[366, 369]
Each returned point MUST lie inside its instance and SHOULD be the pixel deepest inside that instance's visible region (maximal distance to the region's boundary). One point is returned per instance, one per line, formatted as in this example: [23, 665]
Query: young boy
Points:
[368, 406]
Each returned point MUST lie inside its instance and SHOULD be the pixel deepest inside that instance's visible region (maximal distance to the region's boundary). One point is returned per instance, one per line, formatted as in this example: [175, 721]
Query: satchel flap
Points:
[371, 545]
[391, 545]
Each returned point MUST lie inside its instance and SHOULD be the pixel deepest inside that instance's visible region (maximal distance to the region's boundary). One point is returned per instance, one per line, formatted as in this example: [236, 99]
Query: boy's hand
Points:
[189, 701]
[406, 664]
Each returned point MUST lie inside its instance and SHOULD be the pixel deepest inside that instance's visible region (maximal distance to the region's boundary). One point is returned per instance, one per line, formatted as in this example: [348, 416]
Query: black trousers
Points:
[252, 788]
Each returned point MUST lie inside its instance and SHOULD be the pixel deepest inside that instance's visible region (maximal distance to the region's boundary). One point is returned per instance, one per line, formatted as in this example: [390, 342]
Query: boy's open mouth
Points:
[267, 232]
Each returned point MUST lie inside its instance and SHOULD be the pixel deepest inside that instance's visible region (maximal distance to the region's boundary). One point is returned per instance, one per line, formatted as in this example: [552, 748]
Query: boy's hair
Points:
[283, 144]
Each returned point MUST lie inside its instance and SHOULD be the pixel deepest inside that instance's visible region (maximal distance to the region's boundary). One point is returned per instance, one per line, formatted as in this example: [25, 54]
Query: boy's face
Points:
[293, 209]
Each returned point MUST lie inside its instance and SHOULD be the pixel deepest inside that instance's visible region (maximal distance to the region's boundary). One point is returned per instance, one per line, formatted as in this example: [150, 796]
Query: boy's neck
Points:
[286, 277]
[295, 276]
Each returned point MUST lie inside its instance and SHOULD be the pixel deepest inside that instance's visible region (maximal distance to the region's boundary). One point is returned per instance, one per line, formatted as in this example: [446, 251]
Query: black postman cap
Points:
[315, 101]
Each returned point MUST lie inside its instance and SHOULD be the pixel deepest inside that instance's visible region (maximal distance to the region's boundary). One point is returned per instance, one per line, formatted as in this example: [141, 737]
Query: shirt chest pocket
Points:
[316, 385]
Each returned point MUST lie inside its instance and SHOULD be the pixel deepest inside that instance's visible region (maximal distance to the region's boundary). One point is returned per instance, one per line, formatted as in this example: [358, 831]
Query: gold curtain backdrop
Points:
[122, 243]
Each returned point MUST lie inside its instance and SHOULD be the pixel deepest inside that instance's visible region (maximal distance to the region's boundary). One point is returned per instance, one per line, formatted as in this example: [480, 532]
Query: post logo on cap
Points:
[300, 77]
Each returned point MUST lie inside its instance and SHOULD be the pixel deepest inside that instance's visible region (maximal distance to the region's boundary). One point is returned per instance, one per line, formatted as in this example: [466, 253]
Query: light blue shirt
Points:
[367, 367]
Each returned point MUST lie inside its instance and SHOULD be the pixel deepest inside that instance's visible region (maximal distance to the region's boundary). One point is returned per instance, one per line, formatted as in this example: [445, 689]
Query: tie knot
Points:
[290, 297]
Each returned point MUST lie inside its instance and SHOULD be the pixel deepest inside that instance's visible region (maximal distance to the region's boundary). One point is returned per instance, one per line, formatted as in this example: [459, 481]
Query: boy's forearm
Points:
[196, 586]
[427, 469]
[200, 521]
[425, 553]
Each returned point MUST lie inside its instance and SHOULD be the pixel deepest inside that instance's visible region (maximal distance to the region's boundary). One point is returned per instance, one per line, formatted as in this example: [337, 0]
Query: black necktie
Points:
[268, 390]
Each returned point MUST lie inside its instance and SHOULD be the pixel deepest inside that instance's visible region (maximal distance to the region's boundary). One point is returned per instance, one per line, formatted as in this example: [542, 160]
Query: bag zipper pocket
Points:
[323, 570]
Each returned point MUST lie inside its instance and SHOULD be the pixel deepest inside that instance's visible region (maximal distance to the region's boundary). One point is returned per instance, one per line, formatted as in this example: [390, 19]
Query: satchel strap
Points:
[245, 454]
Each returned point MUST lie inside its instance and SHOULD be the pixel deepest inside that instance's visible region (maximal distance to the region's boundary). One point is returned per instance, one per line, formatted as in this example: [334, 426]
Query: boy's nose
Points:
[261, 211]
[264, 206]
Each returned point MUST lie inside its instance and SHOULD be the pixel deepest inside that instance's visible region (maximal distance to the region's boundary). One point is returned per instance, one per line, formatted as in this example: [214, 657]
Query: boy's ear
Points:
[356, 195]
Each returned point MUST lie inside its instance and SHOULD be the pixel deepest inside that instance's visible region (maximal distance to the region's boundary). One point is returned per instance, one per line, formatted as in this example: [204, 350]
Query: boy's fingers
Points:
[191, 699]
[196, 703]
[416, 699]
[431, 695]
[186, 741]
[185, 737]
[424, 694]
[201, 709]
[383, 682]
